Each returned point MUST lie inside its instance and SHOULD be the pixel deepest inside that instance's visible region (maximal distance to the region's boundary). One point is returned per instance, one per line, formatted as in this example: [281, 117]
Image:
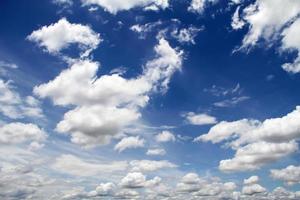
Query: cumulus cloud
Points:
[253, 189]
[289, 175]
[199, 119]
[14, 133]
[109, 102]
[156, 152]
[255, 155]
[150, 165]
[129, 143]
[256, 143]
[115, 6]
[138, 180]
[165, 136]
[104, 189]
[62, 34]
[251, 180]
[73, 165]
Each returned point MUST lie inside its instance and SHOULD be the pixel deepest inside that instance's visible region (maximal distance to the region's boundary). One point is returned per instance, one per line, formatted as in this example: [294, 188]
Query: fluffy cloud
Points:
[129, 143]
[253, 189]
[15, 106]
[271, 20]
[104, 189]
[60, 35]
[198, 6]
[19, 133]
[110, 102]
[114, 6]
[70, 164]
[256, 143]
[155, 152]
[138, 180]
[255, 155]
[290, 175]
[165, 136]
[150, 165]
[227, 130]
[200, 119]
[251, 186]
[251, 180]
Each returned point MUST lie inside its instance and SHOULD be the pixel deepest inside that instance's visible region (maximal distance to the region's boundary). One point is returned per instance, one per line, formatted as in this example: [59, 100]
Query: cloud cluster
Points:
[256, 143]
[105, 105]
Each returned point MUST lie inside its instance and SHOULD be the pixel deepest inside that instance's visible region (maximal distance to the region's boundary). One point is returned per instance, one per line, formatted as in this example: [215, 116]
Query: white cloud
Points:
[63, 2]
[186, 35]
[227, 130]
[251, 180]
[250, 137]
[253, 189]
[156, 152]
[15, 106]
[291, 41]
[255, 155]
[231, 102]
[200, 119]
[138, 180]
[70, 164]
[190, 178]
[237, 23]
[104, 189]
[108, 103]
[150, 165]
[165, 136]
[60, 35]
[198, 6]
[269, 21]
[114, 6]
[290, 175]
[129, 143]
[14, 133]
[266, 18]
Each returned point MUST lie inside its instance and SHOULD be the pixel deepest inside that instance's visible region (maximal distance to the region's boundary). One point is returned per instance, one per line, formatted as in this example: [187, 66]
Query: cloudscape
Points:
[150, 99]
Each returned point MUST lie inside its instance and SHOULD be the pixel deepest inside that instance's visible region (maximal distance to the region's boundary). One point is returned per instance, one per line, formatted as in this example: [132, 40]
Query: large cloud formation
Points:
[105, 105]
[256, 143]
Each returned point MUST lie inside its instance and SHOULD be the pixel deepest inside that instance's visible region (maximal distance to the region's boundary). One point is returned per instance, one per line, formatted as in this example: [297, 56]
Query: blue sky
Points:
[149, 99]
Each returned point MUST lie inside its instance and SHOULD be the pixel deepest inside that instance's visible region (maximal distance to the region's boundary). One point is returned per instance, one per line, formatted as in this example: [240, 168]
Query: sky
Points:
[149, 99]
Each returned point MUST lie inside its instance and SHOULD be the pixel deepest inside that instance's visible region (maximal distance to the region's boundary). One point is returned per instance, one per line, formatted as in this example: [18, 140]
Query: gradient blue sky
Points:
[226, 74]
